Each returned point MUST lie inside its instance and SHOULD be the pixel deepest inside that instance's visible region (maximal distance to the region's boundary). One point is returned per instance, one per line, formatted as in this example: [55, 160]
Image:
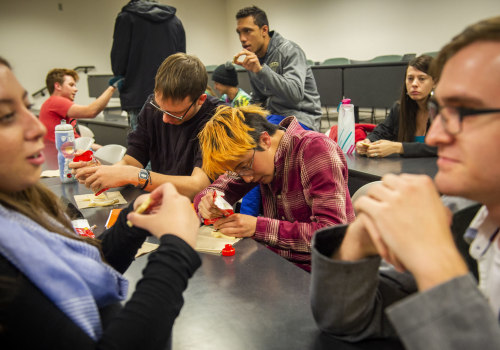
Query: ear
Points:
[265, 30]
[57, 86]
[202, 99]
[265, 140]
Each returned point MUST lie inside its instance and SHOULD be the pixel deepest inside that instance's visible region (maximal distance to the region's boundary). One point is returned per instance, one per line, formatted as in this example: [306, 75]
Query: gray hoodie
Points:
[286, 84]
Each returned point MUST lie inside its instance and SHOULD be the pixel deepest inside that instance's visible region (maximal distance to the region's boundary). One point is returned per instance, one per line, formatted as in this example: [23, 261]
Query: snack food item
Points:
[239, 58]
[83, 228]
[222, 204]
[141, 209]
[217, 234]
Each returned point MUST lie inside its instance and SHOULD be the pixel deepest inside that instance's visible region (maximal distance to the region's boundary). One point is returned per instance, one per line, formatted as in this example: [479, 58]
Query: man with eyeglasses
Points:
[165, 135]
[302, 176]
[430, 300]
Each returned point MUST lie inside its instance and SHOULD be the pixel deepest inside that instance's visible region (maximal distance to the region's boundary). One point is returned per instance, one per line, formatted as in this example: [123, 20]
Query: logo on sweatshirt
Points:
[274, 66]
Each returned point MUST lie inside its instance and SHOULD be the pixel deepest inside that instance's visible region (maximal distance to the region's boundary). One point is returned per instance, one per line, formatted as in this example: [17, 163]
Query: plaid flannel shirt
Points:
[309, 191]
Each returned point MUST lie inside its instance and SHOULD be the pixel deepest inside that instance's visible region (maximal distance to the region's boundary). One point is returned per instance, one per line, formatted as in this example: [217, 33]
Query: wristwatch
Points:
[143, 177]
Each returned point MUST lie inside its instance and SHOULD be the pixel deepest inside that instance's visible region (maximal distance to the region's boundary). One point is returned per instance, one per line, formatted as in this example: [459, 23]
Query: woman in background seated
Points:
[404, 129]
[60, 291]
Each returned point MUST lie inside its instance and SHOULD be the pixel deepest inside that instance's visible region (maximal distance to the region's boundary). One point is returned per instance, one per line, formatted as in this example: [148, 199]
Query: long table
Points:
[252, 300]
[363, 169]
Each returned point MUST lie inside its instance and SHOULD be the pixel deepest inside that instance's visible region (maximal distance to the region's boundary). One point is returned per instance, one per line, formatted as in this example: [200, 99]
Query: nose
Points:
[33, 127]
[437, 135]
[247, 178]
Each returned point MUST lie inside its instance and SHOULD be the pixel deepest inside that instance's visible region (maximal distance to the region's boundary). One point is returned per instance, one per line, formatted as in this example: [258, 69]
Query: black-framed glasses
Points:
[153, 103]
[452, 117]
[244, 171]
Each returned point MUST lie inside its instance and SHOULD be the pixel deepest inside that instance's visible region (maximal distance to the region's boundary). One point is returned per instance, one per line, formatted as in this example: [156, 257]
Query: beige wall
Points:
[36, 36]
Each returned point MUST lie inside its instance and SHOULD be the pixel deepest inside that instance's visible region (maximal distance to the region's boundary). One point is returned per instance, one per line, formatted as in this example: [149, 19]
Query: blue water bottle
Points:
[65, 144]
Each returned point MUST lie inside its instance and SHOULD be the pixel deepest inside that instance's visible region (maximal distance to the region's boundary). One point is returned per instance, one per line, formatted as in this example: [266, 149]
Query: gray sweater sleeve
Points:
[452, 316]
[348, 298]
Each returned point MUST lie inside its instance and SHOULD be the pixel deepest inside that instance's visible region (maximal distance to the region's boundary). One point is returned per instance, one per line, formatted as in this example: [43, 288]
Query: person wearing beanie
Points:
[226, 83]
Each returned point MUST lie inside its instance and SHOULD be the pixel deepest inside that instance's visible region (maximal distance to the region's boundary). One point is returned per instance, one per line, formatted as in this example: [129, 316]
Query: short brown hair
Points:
[56, 75]
[181, 75]
[485, 30]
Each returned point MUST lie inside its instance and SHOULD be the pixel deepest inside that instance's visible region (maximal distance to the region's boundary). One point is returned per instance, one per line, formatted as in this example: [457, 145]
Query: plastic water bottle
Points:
[65, 144]
[346, 127]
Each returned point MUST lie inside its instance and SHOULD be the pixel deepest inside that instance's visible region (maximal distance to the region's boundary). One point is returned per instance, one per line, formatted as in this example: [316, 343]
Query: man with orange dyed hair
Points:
[302, 177]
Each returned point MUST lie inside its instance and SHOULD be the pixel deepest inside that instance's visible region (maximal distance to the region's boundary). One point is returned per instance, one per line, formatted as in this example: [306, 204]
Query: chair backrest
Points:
[110, 154]
[84, 143]
[386, 58]
[85, 131]
[408, 56]
[431, 53]
[336, 61]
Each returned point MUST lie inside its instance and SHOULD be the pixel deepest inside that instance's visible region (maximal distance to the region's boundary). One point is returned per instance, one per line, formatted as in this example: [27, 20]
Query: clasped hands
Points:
[236, 225]
[378, 149]
[404, 221]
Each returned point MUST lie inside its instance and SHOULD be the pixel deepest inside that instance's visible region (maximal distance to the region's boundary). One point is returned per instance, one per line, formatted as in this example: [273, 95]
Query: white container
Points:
[345, 137]
[65, 144]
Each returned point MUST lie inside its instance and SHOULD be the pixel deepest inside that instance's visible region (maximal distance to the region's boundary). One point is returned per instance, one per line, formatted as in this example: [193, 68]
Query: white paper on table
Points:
[207, 243]
[88, 200]
[50, 173]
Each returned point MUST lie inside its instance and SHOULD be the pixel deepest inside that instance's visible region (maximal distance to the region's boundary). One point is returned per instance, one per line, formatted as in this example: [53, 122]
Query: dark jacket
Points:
[389, 129]
[145, 34]
[144, 322]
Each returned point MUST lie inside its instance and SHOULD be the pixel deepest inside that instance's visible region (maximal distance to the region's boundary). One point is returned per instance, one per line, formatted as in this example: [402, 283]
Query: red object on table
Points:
[88, 156]
[228, 250]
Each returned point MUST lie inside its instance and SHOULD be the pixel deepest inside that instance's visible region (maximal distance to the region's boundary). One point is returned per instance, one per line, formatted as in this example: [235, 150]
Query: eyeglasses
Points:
[153, 103]
[244, 171]
[452, 117]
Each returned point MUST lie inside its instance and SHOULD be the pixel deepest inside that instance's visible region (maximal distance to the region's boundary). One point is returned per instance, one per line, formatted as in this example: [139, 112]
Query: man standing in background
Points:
[282, 82]
[145, 34]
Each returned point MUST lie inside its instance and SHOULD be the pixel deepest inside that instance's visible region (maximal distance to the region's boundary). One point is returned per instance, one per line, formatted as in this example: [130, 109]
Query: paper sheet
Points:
[105, 199]
[146, 248]
[206, 243]
[50, 173]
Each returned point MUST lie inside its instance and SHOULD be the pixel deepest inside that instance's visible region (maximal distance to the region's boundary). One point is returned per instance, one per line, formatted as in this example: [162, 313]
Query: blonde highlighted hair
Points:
[231, 133]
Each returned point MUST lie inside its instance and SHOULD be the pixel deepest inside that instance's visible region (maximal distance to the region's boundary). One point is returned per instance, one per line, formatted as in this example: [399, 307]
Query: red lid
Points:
[228, 250]
[86, 156]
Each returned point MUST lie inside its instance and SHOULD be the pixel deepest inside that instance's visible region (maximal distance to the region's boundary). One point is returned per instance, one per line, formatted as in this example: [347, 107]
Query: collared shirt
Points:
[485, 248]
[309, 191]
